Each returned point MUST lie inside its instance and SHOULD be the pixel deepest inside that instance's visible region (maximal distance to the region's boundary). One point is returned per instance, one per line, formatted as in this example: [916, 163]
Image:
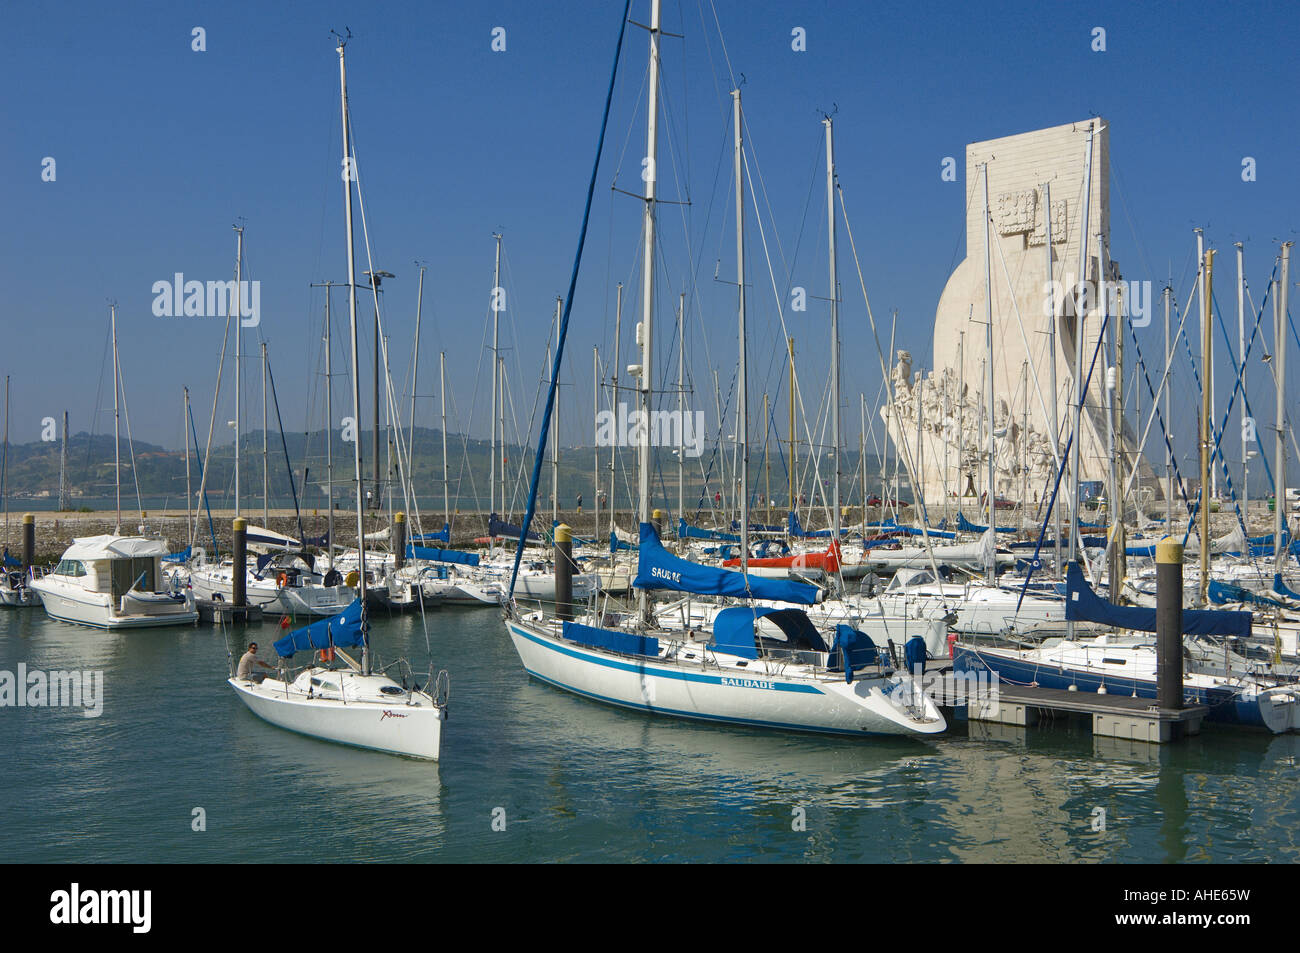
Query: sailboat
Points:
[762, 667]
[114, 581]
[14, 588]
[353, 705]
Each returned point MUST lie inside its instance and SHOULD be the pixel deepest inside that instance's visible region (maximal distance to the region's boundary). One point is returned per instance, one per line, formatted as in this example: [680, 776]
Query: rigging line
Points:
[130, 443]
[285, 447]
[780, 309]
[1164, 427]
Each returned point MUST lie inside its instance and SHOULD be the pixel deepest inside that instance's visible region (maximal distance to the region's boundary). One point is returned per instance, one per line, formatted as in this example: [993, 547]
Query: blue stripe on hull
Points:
[1224, 705]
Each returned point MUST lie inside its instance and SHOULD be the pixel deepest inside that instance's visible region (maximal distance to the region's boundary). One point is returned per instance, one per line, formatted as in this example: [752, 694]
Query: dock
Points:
[1111, 716]
[212, 612]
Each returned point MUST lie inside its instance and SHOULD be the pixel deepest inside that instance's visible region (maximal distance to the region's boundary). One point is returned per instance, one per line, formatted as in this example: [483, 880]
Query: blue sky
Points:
[160, 149]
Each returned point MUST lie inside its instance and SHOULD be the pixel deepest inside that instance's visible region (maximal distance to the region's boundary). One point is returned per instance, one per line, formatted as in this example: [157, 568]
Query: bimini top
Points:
[108, 546]
[738, 632]
[1082, 604]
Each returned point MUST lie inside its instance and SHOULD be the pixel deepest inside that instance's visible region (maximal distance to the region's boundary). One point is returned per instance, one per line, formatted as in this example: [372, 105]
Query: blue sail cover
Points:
[1221, 592]
[796, 528]
[442, 555]
[442, 536]
[9, 560]
[1084, 605]
[659, 569]
[687, 531]
[343, 630]
[497, 528]
[180, 557]
[1281, 588]
[892, 525]
[615, 544]
[758, 527]
[966, 526]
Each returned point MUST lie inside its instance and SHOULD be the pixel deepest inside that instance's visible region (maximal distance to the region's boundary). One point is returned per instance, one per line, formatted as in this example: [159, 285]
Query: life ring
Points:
[282, 580]
[327, 654]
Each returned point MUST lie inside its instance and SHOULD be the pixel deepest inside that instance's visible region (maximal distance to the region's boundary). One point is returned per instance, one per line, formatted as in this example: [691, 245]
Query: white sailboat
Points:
[355, 705]
[761, 667]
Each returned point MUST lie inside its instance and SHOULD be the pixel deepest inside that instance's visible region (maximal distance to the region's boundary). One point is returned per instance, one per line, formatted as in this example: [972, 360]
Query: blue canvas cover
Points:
[659, 569]
[442, 536]
[687, 531]
[1281, 589]
[10, 560]
[179, 557]
[1084, 605]
[627, 642]
[442, 555]
[497, 528]
[343, 630]
[852, 649]
[1221, 592]
[966, 526]
[615, 544]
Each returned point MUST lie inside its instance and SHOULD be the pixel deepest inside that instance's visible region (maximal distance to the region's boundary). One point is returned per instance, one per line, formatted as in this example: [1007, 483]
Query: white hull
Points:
[726, 692]
[390, 725]
[292, 600]
[96, 609]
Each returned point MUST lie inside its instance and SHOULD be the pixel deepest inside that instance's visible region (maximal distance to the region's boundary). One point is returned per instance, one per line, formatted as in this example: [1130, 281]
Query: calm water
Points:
[578, 780]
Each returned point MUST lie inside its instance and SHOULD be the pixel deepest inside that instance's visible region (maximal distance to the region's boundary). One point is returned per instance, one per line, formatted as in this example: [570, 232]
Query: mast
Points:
[185, 429]
[645, 328]
[239, 324]
[4, 466]
[555, 426]
[492, 447]
[742, 406]
[356, 366]
[835, 330]
[790, 348]
[1280, 546]
[415, 360]
[1079, 394]
[442, 394]
[1054, 423]
[117, 446]
[63, 466]
[681, 409]
[1169, 452]
[1241, 369]
[862, 459]
[266, 483]
[1207, 426]
[767, 461]
[614, 406]
[988, 342]
[595, 445]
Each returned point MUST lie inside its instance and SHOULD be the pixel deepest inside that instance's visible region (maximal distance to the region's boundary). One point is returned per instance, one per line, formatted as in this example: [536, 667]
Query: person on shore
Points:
[579, 504]
[247, 661]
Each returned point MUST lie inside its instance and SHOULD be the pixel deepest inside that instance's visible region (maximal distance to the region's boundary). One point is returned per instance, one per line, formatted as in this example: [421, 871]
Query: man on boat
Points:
[246, 663]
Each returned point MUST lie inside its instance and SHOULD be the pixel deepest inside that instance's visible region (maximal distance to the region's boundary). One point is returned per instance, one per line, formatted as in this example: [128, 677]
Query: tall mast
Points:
[63, 465]
[239, 357]
[791, 500]
[496, 340]
[266, 483]
[742, 407]
[415, 360]
[1079, 394]
[356, 366]
[614, 406]
[1279, 446]
[1207, 426]
[185, 430]
[835, 329]
[1054, 423]
[442, 394]
[988, 373]
[329, 431]
[767, 460]
[1241, 369]
[681, 409]
[117, 445]
[555, 425]
[1169, 452]
[645, 328]
[595, 445]
[4, 466]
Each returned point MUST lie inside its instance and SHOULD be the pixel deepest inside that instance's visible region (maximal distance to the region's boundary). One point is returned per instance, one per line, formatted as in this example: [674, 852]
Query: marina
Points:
[676, 498]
